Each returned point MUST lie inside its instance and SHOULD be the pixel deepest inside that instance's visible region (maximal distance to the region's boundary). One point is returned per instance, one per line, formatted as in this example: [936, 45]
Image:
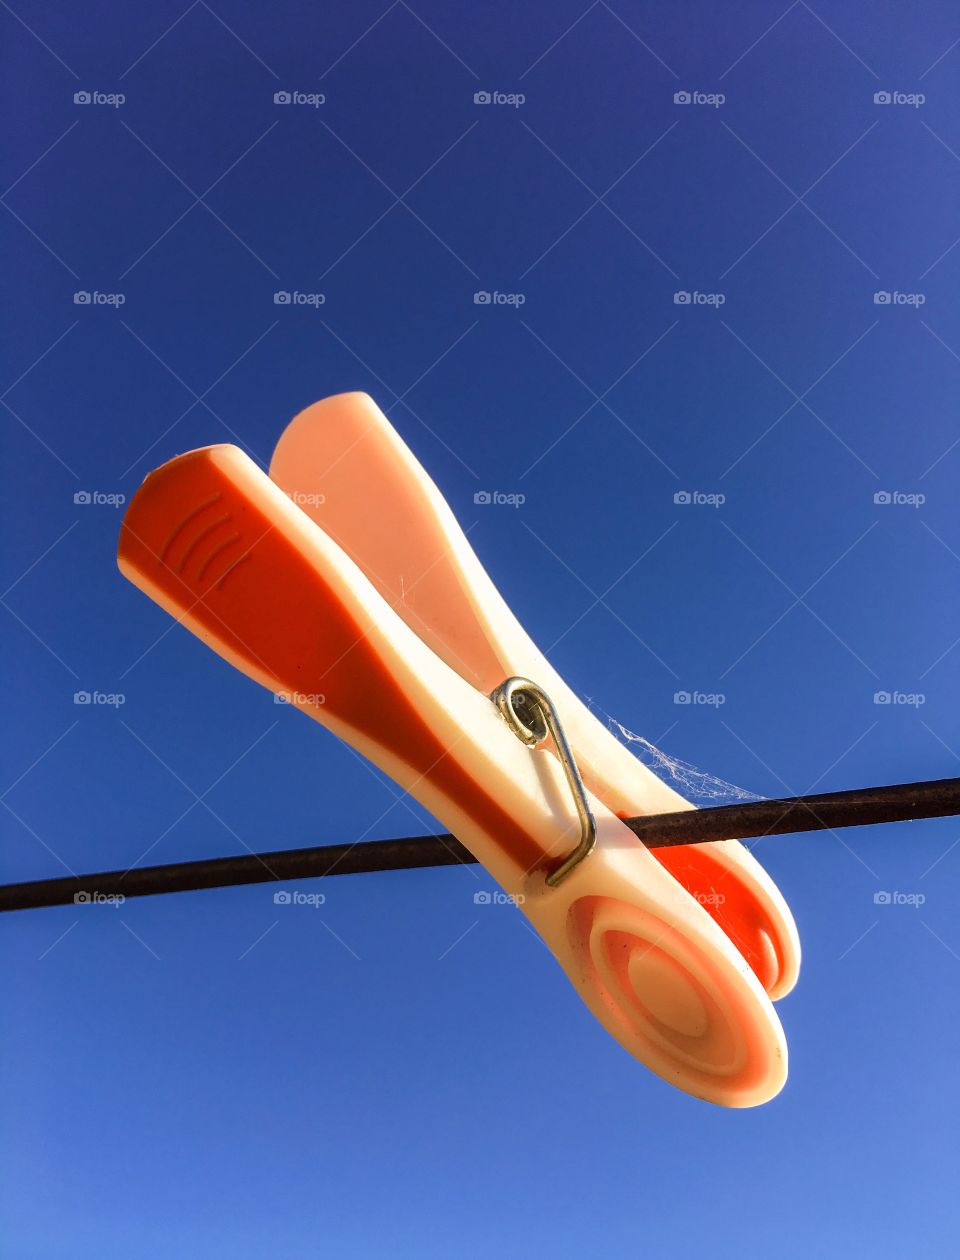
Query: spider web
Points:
[689, 781]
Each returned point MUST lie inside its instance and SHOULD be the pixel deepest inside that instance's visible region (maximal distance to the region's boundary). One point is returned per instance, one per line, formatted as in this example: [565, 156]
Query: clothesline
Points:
[825, 811]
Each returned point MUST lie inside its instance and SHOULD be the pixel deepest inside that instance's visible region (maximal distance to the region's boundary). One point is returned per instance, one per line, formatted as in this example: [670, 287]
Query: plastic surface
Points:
[215, 542]
[345, 465]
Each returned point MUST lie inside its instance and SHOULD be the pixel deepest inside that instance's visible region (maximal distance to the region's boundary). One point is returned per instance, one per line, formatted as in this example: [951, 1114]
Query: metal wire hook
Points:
[530, 714]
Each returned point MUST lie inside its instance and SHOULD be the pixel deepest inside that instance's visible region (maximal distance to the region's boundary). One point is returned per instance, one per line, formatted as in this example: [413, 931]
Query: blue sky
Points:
[400, 1071]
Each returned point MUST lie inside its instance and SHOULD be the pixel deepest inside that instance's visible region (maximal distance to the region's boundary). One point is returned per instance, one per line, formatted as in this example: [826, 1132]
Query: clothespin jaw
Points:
[219, 545]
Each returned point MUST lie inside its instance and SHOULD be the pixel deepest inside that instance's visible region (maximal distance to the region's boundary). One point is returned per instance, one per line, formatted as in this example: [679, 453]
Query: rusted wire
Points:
[825, 811]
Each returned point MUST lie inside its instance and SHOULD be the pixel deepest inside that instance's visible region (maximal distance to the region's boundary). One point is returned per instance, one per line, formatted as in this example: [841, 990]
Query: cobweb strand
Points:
[694, 784]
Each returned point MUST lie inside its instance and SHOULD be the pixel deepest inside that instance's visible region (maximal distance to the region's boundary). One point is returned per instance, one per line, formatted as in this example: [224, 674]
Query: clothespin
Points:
[343, 582]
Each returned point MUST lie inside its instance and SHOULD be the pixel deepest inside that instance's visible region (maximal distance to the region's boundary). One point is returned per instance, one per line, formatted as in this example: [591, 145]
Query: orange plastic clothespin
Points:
[345, 575]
